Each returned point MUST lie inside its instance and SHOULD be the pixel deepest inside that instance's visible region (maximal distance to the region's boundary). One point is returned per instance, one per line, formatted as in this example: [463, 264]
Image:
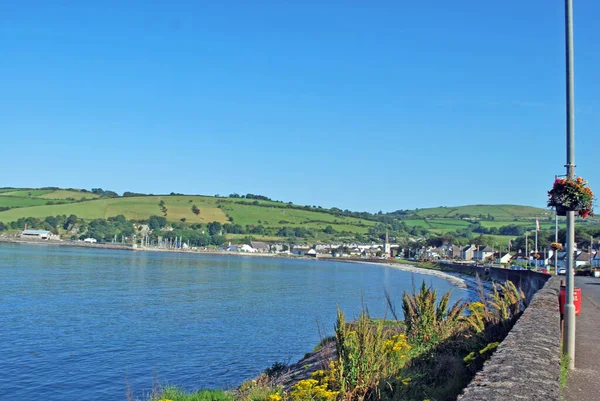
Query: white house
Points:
[504, 258]
[36, 234]
[583, 259]
[246, 248]
[467, 252]
[483, 253]
[579, 259]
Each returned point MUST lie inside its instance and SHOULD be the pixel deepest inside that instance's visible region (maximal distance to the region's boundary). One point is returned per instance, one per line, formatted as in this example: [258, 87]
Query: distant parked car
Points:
[562, 270]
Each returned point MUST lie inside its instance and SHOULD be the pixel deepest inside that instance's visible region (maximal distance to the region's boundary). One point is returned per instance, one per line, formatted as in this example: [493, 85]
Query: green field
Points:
[441, 225]
[289, 217]
[29, 193]
[178, 207]
[499, 212]
[448, 224]
[136, 208]
[35, 197]
[13, 201]
[65, 194]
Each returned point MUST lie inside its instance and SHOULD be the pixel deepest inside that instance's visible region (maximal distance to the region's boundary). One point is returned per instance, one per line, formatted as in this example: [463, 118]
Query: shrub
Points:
[367, 355]
[428, 323]
[276, 369]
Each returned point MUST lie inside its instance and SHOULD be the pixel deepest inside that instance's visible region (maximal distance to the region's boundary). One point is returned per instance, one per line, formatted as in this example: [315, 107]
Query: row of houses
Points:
[336, 250]
[485, 253]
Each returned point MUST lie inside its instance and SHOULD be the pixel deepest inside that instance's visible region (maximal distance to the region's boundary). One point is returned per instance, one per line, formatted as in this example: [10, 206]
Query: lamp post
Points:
[569, 310]
[555, 240]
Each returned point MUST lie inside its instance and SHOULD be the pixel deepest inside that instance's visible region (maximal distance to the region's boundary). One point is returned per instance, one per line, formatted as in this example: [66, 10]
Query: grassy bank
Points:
[430, 354]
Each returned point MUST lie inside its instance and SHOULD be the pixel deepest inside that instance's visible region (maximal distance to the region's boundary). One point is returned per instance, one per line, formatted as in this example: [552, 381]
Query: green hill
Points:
[498, 212]
[264, 218]
[24, 203]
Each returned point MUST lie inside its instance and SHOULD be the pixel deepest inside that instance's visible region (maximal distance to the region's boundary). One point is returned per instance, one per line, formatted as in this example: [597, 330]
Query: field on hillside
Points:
[65, 194]
[288, 217]
[178, 207]
[136, 208]
[12, 197]
[27, 202]
[444, 225]
[31, 193]
[500, 212]
[13, 201]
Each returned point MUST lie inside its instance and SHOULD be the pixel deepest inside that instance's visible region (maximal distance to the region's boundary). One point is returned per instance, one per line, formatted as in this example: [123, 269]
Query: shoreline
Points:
[455, 280]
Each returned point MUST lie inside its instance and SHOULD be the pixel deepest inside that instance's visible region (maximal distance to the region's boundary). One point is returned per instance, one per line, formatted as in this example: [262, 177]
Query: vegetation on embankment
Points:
[431, 354]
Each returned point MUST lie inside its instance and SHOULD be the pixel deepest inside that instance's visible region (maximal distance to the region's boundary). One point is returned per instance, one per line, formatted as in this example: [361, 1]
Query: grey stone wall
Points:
[526, 365]
[529, 281]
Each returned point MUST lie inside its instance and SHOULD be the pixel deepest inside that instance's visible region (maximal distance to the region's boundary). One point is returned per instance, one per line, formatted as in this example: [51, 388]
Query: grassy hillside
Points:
[135, 208]
[271, 215]
[281, 217]
[34, 203]
[499, 212]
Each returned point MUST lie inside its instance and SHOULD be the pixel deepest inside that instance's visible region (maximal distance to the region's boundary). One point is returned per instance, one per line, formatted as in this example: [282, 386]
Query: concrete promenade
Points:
[584, 381]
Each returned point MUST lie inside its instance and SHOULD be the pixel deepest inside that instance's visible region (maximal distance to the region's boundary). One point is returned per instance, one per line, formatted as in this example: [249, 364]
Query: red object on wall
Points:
[562, 299]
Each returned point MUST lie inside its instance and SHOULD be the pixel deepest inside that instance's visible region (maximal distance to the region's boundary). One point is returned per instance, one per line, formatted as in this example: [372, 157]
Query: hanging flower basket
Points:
[568, 194]
[562, 211]
[556, 246]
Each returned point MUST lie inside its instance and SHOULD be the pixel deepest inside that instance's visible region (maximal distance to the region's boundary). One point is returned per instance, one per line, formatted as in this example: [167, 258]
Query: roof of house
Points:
[585, 256]
[36, 232]
[259, 245]
[486, 249]
[468, 247]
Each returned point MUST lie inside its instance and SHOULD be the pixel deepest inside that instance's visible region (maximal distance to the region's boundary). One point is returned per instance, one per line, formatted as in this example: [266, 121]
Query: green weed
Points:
[176, 394]
[564, 370]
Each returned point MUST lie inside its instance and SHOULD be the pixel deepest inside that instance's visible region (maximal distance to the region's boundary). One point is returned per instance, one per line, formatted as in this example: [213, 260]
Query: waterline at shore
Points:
[457, 281]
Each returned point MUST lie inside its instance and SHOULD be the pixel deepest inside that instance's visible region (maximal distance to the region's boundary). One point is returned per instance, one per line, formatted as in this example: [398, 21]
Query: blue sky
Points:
[378, 105]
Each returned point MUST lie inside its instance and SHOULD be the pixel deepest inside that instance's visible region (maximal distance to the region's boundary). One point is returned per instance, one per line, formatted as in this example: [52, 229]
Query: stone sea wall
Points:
[529, 281]
[526, 365]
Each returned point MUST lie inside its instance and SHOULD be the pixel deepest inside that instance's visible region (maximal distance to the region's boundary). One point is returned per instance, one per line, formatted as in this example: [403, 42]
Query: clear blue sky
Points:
[378, 105]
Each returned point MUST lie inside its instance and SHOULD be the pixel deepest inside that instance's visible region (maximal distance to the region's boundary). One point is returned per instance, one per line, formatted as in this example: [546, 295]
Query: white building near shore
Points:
[36, 234]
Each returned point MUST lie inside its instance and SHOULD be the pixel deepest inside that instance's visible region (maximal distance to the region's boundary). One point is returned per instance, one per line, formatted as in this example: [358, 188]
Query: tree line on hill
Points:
[215, 233]
[105, 230]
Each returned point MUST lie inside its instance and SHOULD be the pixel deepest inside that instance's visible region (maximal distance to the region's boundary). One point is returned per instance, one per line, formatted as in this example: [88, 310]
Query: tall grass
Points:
[367, 354]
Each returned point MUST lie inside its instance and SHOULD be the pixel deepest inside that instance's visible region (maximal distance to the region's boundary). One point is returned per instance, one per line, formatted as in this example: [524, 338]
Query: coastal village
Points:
[547, 259]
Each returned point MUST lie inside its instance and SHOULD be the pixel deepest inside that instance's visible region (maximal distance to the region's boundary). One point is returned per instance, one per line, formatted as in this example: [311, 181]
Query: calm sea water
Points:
[83, 324]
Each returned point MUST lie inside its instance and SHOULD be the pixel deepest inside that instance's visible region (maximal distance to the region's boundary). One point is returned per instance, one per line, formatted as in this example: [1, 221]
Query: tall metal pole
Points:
[536, 242]
[569, 330]
[527, 249]
[556, 240]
